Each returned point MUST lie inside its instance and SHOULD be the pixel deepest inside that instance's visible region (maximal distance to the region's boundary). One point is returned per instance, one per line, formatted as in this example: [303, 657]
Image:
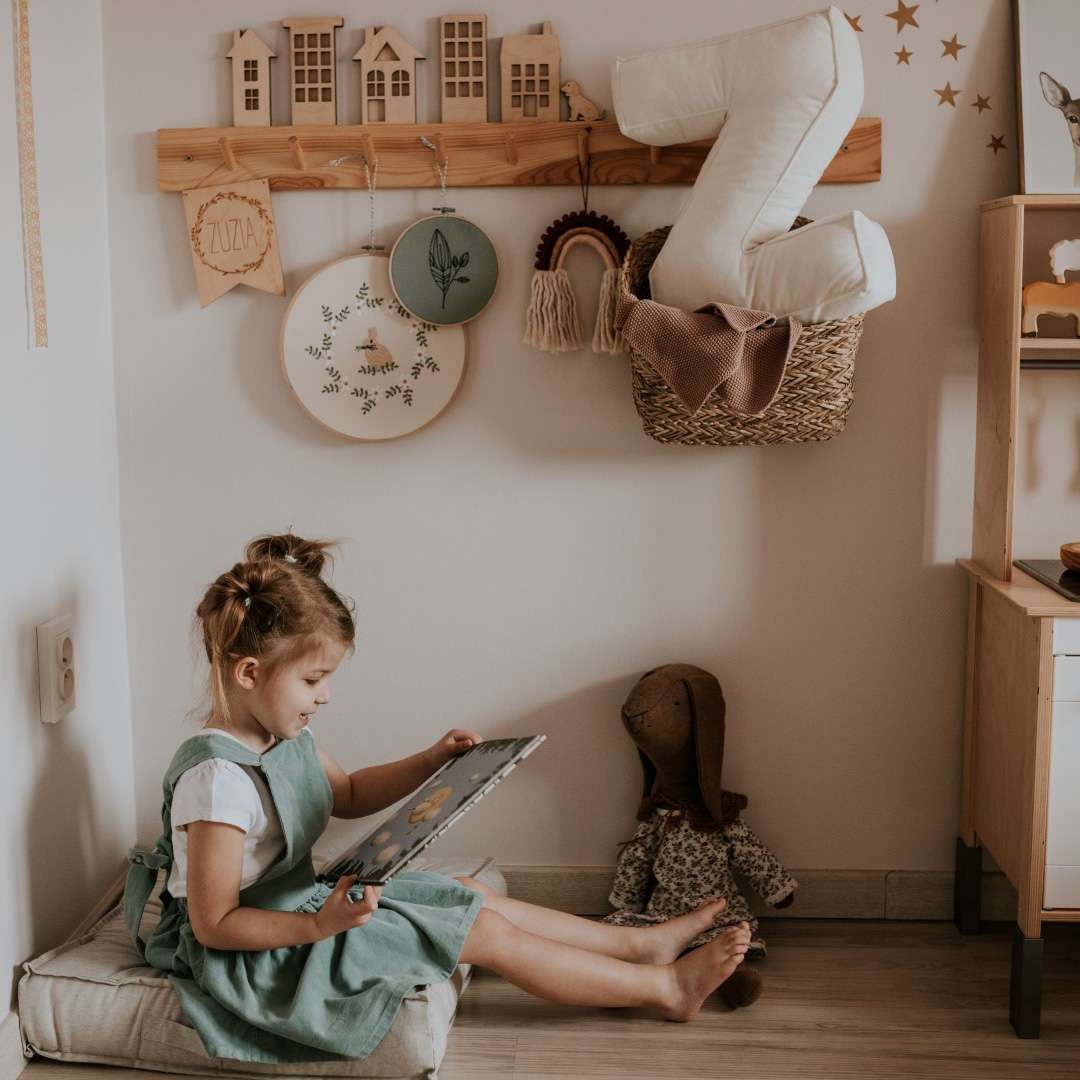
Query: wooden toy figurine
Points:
[1049, 298]
[1064, 256]
[387, 77]
[251, 58]
[463, 67]
[529, 76]
[313, 69]
[581, 108]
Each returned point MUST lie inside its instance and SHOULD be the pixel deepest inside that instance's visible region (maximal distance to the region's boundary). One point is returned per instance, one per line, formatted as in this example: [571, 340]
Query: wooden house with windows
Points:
[251, 58]
[312, 68]
[463, 67]
[529, 76]
[387, 77]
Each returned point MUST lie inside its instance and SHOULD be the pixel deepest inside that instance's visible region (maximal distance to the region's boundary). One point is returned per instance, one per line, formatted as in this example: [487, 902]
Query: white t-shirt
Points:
[220, 790]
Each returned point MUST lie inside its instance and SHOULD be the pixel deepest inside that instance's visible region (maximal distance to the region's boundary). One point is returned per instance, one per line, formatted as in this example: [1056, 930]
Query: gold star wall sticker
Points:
[996, 143]
[854, 20]
[903, 56]
[952, 47]
[947, 95]
[904, 15]
[980, 103]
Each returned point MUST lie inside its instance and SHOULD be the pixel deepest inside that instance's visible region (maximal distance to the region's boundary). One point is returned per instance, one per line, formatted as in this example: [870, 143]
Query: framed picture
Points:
[1048, 74]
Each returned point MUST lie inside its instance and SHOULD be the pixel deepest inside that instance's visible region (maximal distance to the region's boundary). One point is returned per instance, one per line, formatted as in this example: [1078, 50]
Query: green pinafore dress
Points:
[329, 1000]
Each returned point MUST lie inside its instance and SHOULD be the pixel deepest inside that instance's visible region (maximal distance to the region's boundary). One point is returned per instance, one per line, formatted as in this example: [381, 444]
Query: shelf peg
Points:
[583, 149]
[298, 152]
[368, 145]
[511, 149]
[440, 149]
[227, 153]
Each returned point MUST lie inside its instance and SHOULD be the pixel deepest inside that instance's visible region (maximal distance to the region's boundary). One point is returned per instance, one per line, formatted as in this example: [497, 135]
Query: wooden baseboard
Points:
[12, 1058]
[822, 894]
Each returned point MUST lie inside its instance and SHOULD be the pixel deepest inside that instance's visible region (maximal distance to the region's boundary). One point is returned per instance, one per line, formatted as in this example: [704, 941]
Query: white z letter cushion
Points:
[779, 100]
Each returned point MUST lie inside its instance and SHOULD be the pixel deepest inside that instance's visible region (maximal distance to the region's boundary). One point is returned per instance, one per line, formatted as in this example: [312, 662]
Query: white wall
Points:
[66, 799]
[520, 562]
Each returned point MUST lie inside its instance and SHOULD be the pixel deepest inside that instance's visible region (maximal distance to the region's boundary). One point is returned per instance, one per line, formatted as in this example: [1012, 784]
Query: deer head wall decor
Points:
[1059, 97]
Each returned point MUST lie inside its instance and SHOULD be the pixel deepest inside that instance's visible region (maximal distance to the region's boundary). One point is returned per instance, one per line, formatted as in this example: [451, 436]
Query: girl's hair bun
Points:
[307, 555]
[272, 606]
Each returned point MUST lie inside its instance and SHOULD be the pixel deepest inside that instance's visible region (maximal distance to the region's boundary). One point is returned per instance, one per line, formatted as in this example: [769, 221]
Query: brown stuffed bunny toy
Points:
[690, 838]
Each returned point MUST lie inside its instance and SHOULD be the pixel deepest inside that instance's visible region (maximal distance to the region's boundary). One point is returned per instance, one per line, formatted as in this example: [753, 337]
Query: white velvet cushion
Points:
[779, 99]
[93, 999]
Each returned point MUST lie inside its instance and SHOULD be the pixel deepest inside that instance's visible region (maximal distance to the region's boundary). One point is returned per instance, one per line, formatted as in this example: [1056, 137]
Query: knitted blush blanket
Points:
[741, 352]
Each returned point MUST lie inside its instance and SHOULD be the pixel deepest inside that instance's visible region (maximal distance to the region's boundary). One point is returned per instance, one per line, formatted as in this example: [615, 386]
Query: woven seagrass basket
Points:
[811, 405]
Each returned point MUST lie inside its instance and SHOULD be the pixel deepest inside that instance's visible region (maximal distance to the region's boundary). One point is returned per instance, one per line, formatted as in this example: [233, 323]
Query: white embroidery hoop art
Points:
[358, 362]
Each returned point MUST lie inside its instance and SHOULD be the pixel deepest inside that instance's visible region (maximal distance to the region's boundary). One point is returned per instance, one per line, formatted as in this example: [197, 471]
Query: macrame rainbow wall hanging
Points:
[552, 322]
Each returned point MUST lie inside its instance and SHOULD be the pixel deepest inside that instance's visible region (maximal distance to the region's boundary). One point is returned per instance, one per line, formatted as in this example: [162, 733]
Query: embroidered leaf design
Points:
[368, 369]
[444, 265]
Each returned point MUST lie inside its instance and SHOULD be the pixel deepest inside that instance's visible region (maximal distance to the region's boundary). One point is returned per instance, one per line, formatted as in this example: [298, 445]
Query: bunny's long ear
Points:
[708, 711]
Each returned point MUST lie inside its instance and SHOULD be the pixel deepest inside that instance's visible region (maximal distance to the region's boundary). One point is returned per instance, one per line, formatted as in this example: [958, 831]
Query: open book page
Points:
[431, 810]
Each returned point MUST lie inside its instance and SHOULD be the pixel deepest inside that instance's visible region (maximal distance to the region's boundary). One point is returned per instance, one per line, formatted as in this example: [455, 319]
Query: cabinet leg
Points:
[1025, 985]
[967, 888]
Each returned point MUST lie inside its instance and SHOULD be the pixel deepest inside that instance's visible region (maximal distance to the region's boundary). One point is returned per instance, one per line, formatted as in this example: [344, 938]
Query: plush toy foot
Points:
[742, 988]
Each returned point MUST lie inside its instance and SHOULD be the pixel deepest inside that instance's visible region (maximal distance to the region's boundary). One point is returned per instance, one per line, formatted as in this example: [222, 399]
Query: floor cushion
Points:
[93, 999]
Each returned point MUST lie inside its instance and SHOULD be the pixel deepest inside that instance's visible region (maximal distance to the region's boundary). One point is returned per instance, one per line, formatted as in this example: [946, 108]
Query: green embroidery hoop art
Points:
[358, 362]
[444, 269]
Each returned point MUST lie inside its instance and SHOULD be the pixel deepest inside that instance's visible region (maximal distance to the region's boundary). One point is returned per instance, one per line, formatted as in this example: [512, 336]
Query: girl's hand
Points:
[454, 742]
[340, 913]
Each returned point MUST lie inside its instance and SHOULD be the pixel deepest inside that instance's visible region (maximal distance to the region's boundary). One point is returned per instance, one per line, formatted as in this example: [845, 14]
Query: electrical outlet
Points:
[56, 668]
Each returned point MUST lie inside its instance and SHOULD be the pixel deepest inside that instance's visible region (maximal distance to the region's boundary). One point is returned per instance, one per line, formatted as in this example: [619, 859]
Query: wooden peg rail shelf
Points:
[519, 154]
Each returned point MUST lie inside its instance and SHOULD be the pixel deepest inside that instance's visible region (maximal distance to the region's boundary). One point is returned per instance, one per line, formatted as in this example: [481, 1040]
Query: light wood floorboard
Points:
[843, 1000]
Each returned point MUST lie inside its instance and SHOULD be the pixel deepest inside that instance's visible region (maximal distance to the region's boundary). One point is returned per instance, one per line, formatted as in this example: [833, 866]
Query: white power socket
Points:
[56, 668]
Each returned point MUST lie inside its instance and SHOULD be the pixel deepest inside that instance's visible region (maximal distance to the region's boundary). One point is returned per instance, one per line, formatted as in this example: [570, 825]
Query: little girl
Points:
[271, 964]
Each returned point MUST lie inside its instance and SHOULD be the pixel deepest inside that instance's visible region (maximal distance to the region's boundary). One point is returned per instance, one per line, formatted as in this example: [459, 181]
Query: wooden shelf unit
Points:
[523, 153]
[1023, 640]
[1001, 348]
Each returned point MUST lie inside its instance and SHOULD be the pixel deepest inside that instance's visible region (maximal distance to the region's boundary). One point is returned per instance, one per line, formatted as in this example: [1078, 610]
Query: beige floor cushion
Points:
[92, 999]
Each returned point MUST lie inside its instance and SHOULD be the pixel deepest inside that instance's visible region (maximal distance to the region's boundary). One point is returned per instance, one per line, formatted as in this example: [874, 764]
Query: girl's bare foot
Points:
[662, 944]
[696, 975]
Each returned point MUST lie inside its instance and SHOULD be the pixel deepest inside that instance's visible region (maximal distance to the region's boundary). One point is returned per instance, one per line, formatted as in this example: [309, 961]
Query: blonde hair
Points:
[274, 606]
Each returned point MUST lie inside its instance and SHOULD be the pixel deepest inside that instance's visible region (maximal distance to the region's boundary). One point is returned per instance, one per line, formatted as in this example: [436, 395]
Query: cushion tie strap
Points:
[141, 877]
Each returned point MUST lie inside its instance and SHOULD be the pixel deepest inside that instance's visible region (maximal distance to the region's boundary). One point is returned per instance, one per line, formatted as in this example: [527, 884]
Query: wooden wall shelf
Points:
[530, 153]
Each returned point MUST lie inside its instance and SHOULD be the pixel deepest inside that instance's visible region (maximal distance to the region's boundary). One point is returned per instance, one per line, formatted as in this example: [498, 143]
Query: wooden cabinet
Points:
[1022, 704]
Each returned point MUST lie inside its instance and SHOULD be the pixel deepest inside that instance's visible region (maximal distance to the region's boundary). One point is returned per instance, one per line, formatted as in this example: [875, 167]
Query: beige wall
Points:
[66, 801]
[519, 563]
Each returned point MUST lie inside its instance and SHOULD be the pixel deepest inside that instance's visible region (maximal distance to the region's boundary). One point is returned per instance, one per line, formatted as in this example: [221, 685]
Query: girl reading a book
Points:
[271, 964]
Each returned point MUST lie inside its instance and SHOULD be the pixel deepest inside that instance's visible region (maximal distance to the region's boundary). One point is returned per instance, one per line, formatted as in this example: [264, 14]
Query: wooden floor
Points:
[876, 1000]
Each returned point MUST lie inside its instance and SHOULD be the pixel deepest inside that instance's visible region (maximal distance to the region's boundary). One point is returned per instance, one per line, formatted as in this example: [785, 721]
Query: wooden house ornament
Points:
[463, 67]
[250, 57]
[387, 77]
[529, 76]
[313, 68]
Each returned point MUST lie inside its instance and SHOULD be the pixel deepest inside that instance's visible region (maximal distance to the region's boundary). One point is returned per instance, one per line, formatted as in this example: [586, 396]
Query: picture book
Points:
[442, 799]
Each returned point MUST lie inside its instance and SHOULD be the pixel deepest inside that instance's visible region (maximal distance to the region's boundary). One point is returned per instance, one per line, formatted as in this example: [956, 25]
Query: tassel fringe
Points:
[605, 337]
[552, 322]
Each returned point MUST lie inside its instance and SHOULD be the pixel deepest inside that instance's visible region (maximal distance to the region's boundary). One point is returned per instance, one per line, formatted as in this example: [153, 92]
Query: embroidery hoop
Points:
[413, 233]
[367, 421]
